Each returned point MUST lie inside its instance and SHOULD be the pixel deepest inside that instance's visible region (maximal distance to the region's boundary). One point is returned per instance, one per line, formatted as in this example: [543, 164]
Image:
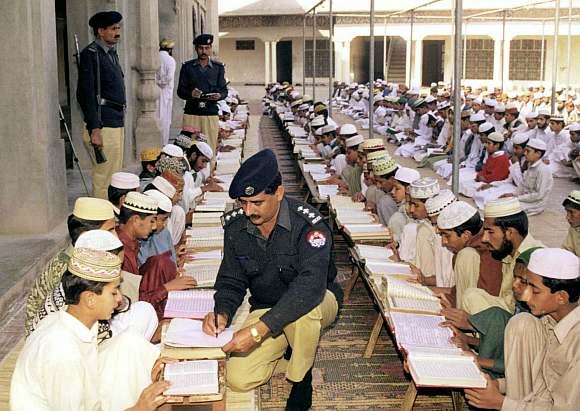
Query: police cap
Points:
[203, 40]
[254, 175]
[105, 19]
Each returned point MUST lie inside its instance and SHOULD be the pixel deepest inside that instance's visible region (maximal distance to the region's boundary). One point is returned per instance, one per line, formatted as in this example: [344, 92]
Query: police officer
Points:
[101, 95]
[201, 84]
[280, 249]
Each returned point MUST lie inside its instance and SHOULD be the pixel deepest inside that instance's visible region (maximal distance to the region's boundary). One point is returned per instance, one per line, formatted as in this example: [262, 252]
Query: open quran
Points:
[194, 304]
[204, 219]
[372, 252]
[367, 231]
[374, 267]
[444, 370]
[402, 295]
[215, 205]
[204, 271]
[204, 237]
[326, 190]
[192, 377]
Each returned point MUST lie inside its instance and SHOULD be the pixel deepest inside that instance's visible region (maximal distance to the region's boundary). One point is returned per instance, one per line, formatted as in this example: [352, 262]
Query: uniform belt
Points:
[112, 104]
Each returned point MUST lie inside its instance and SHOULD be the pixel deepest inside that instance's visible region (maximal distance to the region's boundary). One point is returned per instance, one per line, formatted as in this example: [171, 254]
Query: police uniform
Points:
[199, 112]
[100, 62]
[290, 277]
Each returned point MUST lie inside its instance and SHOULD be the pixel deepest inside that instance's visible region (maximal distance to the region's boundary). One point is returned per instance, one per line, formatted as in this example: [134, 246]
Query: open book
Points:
[354, 217]
[204, 237]
[444, 370]
[367, 231]
[184, 332]
[192, 377]
[372, 252]
[215, 205]
[422, 330]
[326, 190]
[189, 304]
[203, 219]
[401, 295]
[374, 267]
[204, 271]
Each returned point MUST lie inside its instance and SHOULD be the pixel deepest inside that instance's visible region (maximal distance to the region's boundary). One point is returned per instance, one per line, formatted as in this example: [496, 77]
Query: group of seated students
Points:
[511, 302]
[92, 314]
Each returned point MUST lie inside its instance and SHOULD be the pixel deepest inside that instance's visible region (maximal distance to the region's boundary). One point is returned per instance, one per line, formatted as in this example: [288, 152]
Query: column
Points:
[147, 133]
[408, 62]
[418, 63]
[347, 76]
[33, 195]
[274, 65]
[266, 62]
[497, 60]
[506, 62]
[338, 66]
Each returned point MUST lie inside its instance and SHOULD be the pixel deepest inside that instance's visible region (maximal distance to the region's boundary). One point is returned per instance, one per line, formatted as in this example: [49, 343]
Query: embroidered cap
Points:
[384, 167]
[502, 207]
[94, 265]
[372, 143]
[455, 214]
[354, 140]
[163, 202]
[520, 138]
[407, 175]
[377, 155]
[172, 150]
[423, 188]
[537, 144]
[140, 202]
[554, 263]
[436, 204]
[125, 181]
[93, 209]
[166, 44]
[574, 196]
[164, 186]
[496, 137]
[150, 154]
[183, 141]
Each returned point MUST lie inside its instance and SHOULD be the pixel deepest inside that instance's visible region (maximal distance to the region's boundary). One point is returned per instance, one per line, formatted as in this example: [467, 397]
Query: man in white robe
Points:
[165, 79]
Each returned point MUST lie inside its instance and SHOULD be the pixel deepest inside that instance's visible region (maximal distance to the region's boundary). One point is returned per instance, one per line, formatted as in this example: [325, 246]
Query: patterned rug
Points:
[342, 378]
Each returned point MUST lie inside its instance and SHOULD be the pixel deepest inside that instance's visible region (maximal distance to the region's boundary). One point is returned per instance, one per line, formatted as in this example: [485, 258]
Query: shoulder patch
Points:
[308, 213]
[231, 216]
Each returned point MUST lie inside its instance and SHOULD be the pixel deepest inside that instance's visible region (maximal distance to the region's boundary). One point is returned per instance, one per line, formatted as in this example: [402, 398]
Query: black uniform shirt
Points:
[208, 79]
[289, 272]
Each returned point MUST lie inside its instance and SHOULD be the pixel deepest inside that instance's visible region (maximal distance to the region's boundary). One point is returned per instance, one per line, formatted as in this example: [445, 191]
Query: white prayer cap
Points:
[204, 149]
[140, 202]
[520, 138]
[502, 207]
[423, 188]
[347, 129]
[163, 201]
[499, 108]
[544, 112]
[478, 100]
[318, 121]
[554, 263]
[496, 137]
[296, 103]
[164, 186]
[512, 94]
[93, 209]
[318, 132]
[354, 140]
[99, 240]
[574, 196]
[414, 91]
[562, 98]
[574, 127]
[407, 175]
[436, 204]
[479, 116]
[172, 150]
[485, 127]
[429, 99]
[537, 144]
[329, 128]
[490, 102]
[433, 85]
[303, 107]
[455, 214]
[125, 181]
[443, 105]
[532, 114]
[365, 94]
[512, 107]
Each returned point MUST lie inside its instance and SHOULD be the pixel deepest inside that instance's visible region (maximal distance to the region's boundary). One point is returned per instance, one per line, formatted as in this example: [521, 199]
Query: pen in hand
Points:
[215, 318]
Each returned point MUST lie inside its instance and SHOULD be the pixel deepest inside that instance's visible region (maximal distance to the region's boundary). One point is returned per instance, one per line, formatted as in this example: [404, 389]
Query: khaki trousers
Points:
[209, 125]
[248, 371]
[113, 147]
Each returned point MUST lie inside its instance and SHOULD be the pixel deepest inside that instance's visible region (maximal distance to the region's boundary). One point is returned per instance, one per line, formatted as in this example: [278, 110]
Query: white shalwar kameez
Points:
[165, 80]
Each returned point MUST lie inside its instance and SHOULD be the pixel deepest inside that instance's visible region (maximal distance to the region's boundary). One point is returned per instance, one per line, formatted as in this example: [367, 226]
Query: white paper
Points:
[184, 332]
[192, 377]
[189, 304]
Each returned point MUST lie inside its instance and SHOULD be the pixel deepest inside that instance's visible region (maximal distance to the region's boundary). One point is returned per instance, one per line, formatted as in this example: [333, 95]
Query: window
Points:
[245, 44]
[322, 58]
[526, 59]
[479, 59]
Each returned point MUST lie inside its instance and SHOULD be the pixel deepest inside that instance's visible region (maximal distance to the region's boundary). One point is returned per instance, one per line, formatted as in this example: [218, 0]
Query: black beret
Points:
[105, 19]
[254, 175]
[203, 40]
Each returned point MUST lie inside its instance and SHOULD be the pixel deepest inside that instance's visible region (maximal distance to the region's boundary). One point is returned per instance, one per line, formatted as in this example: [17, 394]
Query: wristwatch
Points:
[256, 335]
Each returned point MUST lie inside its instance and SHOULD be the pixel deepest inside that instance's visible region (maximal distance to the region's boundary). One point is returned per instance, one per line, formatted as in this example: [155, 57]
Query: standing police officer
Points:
[279, 249]
[201, 84]
[101, 95]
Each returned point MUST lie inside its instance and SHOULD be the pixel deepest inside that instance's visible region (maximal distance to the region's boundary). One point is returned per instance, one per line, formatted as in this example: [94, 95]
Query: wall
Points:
[243, 66]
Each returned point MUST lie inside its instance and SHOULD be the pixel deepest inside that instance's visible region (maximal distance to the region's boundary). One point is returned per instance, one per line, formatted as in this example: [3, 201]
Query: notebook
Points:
[458, 371]
[192, 377]
[204, 271]
[184, 332]
[189, 304]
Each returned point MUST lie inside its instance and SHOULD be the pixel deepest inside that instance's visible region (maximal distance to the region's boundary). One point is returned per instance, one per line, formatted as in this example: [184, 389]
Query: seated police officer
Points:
[279, 249]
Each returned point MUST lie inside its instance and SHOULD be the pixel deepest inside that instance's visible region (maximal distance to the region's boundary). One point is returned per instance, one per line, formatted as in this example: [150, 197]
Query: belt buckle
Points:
[202, 104]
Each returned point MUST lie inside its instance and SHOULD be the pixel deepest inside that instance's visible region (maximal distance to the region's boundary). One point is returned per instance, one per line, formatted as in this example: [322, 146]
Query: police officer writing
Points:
[201, 84]
[280, 249]
[101, 95]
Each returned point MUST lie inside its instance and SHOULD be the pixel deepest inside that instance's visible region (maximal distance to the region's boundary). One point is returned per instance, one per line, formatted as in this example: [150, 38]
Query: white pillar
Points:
[346, 74]
[266, 62]
[506, 62]
[418, 64]
[274, 69]
[408, 62]
[497, 60]
[338, 66]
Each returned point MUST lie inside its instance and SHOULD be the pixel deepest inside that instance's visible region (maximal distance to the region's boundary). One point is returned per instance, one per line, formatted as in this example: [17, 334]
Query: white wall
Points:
[243, 66]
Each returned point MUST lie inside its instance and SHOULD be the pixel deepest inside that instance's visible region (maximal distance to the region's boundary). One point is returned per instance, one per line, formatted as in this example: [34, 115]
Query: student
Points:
[572, 206]
[149, 157]
[384, 170]
[404, 176]
[551, 342]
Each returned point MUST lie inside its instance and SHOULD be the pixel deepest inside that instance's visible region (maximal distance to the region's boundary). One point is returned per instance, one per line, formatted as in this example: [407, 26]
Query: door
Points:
[284, 61]
[432, 61]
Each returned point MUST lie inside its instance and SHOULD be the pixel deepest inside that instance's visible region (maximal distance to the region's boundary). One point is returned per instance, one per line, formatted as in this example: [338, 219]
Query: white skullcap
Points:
[140, 202]
[346, 129]
[443, 105]
[490, 102]
[318, 121]
[318, 132]
[303, 107]
[204, 149]
[436, 204]
[544, 112]
[429, 99]
[537, 144]
[295, 103]
[502, 207]
[172, 150]
[455, 214]
[164, 186]
[423, 188]
[485, 127]
[479, 116]
[163, 201]
[520, 138]
[124, 181]
[574, 127]
[407, 175]
[98, 240]
[354, 140]
[532, 115]
[329, 128]
[499, 108]
[513, 106]
[554, 263]
[496, 137]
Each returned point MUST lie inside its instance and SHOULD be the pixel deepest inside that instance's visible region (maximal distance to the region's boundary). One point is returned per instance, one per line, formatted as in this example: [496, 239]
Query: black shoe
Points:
[300, 398]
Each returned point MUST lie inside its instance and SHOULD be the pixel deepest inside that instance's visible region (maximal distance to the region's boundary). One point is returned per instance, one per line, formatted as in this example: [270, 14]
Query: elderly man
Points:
[202, 84]
[279, 249]
[165, 78]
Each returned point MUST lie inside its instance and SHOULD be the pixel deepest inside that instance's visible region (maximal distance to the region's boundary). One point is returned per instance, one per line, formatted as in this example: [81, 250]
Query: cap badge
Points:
[249, 190]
